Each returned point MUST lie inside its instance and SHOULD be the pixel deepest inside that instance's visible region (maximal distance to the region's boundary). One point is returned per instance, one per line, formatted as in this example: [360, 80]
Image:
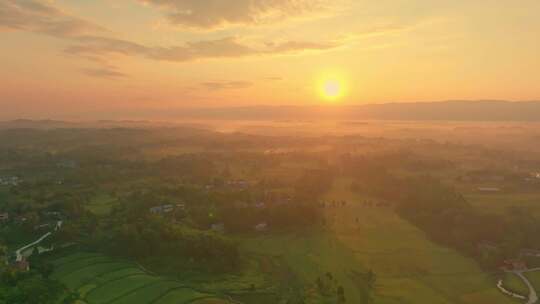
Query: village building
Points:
[487, 246]
[514, 265]
[261, 227]
[10, 181]
[22, 265]
[4, 217]
[530, 252]
[218, 227]
[489, 189]
[42, 226]
[162, 209]
[238, 183]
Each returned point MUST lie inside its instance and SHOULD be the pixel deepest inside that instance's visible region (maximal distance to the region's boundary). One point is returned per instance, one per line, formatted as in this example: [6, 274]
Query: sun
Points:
[331, 89]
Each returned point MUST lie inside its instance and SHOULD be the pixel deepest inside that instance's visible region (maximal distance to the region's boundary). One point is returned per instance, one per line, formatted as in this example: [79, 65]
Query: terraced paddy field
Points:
[409, 267]
[105, 280]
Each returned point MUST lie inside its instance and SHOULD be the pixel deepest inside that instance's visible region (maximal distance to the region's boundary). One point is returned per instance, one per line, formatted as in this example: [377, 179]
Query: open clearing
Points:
[500, 202]
[303, 258]
[409, 267]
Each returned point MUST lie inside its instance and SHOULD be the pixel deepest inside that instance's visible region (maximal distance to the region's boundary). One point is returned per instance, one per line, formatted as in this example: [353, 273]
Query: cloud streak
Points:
[211, 14]
[41, 17]
[226, 85]
[103, 72]
[229, 47]
[92, 42]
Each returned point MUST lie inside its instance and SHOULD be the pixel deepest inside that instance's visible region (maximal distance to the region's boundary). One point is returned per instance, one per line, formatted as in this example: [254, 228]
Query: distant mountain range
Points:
[483, 110]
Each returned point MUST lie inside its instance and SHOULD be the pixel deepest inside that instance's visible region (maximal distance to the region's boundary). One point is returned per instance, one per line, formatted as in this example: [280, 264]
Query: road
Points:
[533, 296]
[18, 253]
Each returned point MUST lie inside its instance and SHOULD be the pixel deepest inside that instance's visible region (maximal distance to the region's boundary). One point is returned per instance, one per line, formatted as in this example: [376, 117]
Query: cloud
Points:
[41, 17]
[104, 72]
[211, 14]
[273, 78]
[229, 47]
[95, 43]
[294, 46]
[226, 85]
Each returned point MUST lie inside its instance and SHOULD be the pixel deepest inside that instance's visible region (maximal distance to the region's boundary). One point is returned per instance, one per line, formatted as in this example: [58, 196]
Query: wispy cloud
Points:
[228, 47]
[211, 14]
[95, 43]
[273, 78]
[103, 72]
[226, 85]
[41, 17]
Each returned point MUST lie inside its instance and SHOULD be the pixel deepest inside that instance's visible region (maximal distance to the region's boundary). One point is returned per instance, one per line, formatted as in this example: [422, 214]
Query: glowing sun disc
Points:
[331, 89]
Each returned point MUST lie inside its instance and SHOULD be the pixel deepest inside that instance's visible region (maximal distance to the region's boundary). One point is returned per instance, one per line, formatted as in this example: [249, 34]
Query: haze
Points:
[269, 152]
[81, 59]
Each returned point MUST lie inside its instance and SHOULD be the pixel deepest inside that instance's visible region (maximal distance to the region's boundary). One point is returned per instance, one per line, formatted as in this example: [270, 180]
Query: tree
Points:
[341, 294]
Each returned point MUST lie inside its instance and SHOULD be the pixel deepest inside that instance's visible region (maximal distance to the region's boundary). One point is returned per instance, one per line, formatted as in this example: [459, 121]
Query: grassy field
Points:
[409, 267]
[499, 202]
[100, 279]
[301, 259]
[515, 284]
[534, 278]
[101, 204]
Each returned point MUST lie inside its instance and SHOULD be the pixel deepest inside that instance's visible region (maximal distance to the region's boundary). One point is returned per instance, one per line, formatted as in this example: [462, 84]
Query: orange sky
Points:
[69, 58]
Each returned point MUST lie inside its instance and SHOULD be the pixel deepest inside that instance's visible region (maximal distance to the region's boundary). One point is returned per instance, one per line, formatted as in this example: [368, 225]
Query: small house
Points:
[22, 265]
[162, 209]
[530, 252]
[218, 227]
[4, 217]
[514, 264]
[261, 227]
[489, 189]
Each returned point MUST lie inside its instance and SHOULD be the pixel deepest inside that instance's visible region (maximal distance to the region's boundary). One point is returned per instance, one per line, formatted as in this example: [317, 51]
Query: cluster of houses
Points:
[534, 177]
[369, 203]
[244, 205]
[10, 181]
[333, 204]
[489, 189]
[481, 176]
[4, 217]
[515, 264]
[220, 227]
[67, 164]
[167, 208]
[239, 184]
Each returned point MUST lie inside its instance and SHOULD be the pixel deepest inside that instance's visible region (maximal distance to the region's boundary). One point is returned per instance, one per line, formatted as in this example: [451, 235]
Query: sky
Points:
[110, 58]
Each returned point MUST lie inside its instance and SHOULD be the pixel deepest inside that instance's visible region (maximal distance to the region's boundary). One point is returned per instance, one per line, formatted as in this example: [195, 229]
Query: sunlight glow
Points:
[331, 88]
